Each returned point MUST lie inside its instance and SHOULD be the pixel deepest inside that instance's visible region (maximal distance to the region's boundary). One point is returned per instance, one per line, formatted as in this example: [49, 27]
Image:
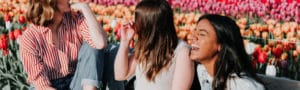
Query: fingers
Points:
[78, 6]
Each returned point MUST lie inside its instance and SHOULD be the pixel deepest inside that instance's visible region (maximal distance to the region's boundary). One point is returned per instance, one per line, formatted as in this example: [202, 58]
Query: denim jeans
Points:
[89, 69]
[109, 83]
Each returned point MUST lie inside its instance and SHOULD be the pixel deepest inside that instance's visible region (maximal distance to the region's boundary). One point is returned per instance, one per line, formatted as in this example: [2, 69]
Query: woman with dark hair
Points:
[218, 46]
[59, 49]
[161, 60]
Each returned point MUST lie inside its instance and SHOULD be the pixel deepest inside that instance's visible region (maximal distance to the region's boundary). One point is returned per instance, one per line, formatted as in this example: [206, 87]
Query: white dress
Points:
[237, 83]
[163, 80]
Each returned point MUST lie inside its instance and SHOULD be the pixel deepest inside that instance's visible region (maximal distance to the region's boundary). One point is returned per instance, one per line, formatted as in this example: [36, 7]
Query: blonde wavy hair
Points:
[41, 12]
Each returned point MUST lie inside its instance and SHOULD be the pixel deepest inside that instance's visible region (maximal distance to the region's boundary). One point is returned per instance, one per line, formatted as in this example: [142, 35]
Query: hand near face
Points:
[79, 6]
[127, 33]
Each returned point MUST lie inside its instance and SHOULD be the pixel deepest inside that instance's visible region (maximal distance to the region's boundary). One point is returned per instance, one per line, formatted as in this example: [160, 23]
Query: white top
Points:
[163, 80]
[237, 83]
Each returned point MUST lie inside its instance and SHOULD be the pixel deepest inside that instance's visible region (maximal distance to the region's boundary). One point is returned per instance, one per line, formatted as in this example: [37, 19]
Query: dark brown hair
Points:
[233, 57]
[157, 36]
[41, 12]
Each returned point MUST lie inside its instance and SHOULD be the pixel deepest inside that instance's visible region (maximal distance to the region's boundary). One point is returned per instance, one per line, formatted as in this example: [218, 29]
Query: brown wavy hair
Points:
[41, 12]
[154, 25]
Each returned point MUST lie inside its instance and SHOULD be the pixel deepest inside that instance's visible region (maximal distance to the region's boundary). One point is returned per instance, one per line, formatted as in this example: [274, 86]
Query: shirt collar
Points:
[63, 24]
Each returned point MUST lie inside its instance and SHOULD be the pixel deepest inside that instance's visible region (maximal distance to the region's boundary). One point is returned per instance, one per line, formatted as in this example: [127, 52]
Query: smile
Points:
[194, 47]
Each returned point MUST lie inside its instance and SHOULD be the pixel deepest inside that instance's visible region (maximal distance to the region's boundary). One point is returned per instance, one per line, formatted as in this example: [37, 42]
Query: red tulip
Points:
[3, 44]
[170, 2]
[5, 52]
[285, 46]
[257, 51]
[219, 0]
[17, 33]
[292, 45]
[11, 35]
[6, 17]
[3, 41]
[289, 1]
[264, 1]
[118, 31]
[262, 57]
[21, 19]
[277, 51]
[2, 36]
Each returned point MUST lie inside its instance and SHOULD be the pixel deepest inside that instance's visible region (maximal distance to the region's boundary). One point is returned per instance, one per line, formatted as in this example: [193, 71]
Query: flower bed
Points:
[12, 24]
[271, 31]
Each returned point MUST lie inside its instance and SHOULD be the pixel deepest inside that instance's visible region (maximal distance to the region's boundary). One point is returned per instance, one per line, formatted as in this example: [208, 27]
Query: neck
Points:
[210, 65]
[56, 21]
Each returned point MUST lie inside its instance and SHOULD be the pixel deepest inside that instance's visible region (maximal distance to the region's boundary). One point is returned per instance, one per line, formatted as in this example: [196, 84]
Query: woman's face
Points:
[204, 42]
[63, 6]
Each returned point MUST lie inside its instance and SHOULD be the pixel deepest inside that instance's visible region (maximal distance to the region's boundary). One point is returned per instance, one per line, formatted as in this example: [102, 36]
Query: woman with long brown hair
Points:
[160, 60]
[60, 47]
[224, 65]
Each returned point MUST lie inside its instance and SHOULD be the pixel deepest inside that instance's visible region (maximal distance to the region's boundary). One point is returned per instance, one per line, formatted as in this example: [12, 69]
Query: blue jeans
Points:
[94, 67]
[109, 83]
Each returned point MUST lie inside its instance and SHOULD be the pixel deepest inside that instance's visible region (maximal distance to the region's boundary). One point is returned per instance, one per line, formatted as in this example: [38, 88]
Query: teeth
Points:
[193, 46]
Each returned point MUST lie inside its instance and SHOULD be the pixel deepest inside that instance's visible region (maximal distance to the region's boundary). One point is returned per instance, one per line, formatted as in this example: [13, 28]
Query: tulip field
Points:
[270, 28]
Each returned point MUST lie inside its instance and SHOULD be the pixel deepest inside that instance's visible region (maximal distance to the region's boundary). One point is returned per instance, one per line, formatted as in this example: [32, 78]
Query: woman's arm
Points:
[184, 70]
[124, 66]
[95, 30]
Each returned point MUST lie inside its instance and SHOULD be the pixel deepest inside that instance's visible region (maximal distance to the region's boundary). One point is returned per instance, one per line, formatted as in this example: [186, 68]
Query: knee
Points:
[87, 51]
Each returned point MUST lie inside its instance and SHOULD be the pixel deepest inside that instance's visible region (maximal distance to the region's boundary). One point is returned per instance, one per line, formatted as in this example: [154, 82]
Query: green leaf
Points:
[6, 87]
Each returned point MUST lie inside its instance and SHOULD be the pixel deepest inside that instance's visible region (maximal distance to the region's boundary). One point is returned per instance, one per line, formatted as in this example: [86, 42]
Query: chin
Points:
[193, 57]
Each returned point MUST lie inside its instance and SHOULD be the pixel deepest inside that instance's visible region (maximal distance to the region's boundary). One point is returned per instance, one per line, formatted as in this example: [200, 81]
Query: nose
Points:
[189, 38]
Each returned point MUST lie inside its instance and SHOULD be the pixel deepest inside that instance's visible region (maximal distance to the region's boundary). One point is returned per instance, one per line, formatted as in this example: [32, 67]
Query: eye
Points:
[202, 34]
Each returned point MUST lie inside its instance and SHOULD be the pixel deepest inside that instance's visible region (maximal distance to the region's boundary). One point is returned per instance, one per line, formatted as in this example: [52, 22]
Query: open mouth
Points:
[194, 47]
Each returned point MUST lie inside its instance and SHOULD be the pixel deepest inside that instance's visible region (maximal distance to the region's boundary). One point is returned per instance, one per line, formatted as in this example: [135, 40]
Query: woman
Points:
[218, 46]
[57, 43]
[160, 61]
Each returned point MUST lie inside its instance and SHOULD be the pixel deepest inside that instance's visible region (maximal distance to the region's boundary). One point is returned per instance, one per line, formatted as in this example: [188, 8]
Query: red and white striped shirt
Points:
[42, 60]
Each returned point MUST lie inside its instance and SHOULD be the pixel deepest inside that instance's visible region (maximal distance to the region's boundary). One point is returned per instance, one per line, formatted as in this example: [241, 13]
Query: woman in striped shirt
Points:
[62, 47]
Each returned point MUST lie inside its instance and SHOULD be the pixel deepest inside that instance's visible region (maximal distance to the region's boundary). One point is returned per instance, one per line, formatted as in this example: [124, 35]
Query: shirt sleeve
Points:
[84, 31]
[33, 65]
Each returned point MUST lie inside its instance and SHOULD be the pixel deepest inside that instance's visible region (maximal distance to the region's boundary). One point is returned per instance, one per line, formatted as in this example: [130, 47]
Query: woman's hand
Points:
[127, 33]
[124, 66]
[79, 6]
[97, 35]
